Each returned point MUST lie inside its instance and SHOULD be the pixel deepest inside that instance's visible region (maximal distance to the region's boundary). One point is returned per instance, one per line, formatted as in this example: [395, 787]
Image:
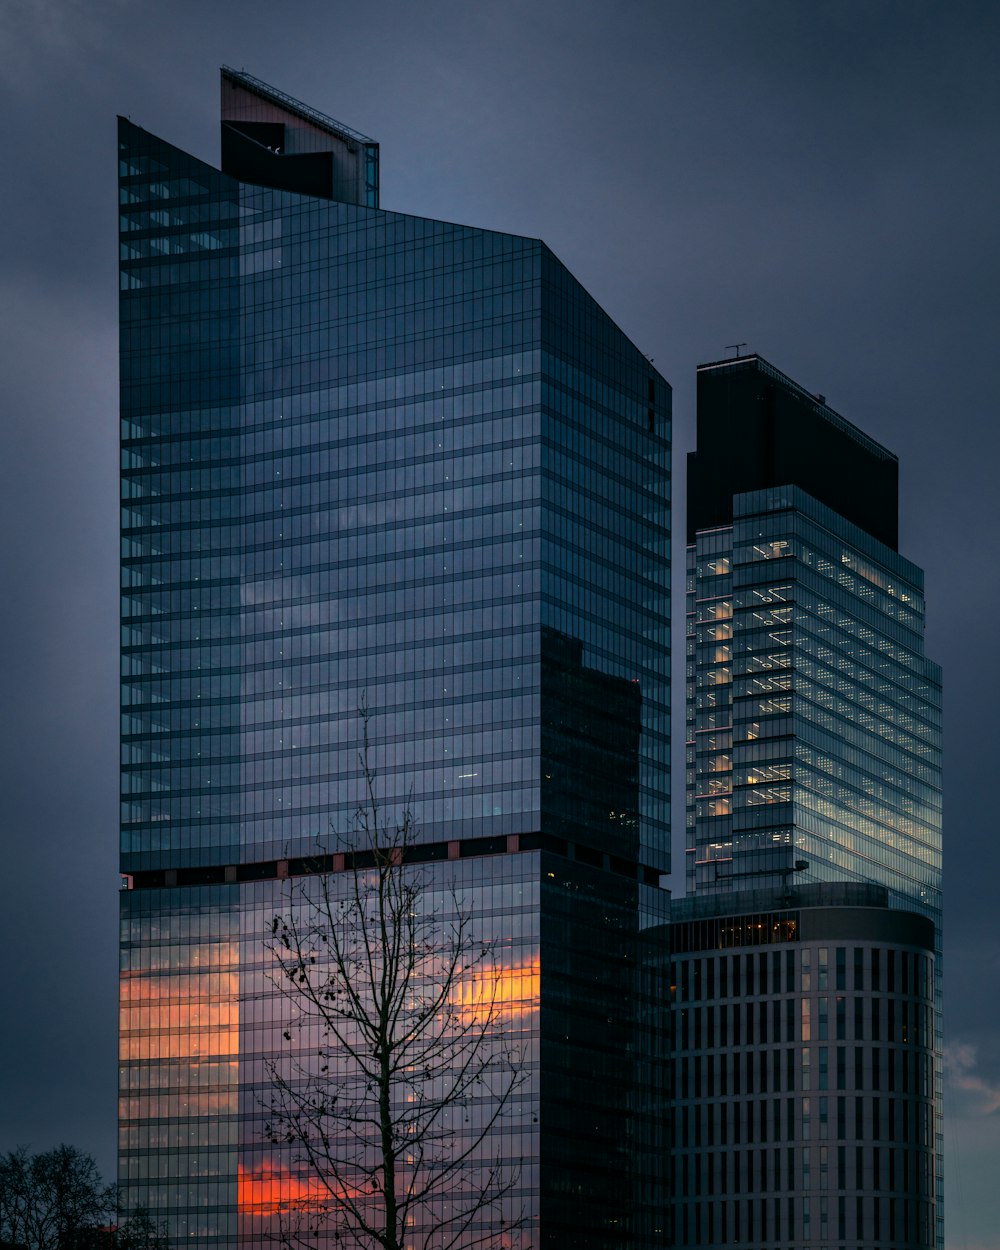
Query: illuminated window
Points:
[769, 794]
[772, 550]
[769, 772]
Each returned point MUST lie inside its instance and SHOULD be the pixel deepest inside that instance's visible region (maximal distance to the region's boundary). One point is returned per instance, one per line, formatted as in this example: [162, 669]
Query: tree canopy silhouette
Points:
[57, 1200]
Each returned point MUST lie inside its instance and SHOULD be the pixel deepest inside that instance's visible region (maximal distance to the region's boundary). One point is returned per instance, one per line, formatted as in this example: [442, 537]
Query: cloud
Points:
[29, 29]
[982, 1095]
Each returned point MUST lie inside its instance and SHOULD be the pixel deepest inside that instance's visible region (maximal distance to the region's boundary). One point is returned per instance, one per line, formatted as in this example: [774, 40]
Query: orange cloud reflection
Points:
[500, 992]
[271, 1189]
[186, 1015]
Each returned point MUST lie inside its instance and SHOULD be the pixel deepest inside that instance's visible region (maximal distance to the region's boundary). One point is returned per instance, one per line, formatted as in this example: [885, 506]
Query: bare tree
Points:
[139, 1231]
[48, 1201]
[57, 1201]
[403, 1056]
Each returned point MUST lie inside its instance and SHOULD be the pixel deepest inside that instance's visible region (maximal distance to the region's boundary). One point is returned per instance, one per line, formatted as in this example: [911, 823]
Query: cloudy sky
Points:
[818, 180]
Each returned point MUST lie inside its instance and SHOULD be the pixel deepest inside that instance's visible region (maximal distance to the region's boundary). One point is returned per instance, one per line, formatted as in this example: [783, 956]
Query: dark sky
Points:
[818, 180]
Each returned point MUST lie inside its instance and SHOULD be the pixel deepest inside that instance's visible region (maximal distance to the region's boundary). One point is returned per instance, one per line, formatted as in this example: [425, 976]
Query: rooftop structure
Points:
[372, 460]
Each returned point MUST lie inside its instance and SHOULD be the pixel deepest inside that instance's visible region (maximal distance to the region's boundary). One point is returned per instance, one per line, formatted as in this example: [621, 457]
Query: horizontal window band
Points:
[418, 853]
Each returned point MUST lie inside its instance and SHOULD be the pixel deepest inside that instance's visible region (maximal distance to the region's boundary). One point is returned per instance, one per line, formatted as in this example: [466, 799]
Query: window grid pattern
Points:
[803, 1092]
[813, 715]
[369, 458]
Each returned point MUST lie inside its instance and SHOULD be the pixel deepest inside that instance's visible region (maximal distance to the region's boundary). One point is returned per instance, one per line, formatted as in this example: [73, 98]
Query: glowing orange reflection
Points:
[271, 1189]
[498, 992]
[186, 1015]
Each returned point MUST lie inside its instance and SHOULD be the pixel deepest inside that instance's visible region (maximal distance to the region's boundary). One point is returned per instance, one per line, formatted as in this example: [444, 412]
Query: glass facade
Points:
[813, 714]
[371, 459]
[802, 1064]
[815, 717]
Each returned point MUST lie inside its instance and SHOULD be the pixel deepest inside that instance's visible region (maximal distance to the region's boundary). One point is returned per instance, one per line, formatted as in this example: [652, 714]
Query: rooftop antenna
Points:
[734, 347]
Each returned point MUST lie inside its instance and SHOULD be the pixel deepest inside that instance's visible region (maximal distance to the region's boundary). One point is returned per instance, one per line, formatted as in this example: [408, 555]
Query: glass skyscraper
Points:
[813, 714]
[370, 459]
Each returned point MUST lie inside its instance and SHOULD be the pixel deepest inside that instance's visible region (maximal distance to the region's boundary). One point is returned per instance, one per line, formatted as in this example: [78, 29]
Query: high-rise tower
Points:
[813, 714]
[813, 748]
[369, 458]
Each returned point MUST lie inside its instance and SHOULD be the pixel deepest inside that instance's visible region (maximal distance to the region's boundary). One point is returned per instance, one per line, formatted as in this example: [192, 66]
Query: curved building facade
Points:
[802, 1065]
[813, 712]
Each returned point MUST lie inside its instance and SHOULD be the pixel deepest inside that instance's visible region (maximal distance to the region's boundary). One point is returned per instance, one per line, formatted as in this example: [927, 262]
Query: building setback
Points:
[813, 758]
[373, 459]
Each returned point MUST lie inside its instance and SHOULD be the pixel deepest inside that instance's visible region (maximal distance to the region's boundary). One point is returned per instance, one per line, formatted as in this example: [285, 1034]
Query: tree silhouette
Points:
[402, 1054]
[57, 1201]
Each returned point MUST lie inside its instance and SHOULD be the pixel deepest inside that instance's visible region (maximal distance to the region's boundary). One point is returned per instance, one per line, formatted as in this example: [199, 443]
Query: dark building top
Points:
[271, 140]
[757, 429]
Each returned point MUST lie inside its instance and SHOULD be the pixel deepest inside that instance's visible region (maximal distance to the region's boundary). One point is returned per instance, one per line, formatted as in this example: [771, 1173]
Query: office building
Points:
[812, 713]
[813, 764]
[374, 459]
[802, 1070]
